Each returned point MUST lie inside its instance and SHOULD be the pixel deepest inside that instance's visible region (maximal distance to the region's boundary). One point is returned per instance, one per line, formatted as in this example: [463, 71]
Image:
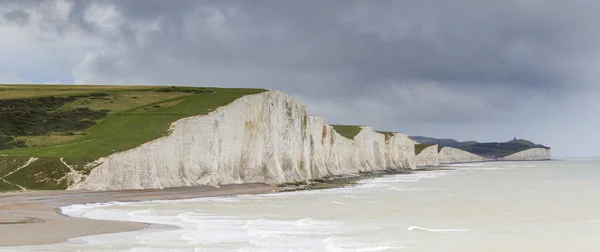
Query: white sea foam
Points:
[448, 230]
[481, 168]
[409, 180]
[206, 199]
[406, 178]
[79, 210]
[414, 189]
[466, 164]
[343, 244]
[372, 186]
[581, 159]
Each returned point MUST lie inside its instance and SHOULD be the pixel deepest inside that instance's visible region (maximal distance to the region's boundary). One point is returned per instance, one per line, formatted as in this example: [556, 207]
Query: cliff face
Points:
[428, 157]
[452, 155]
[531, 154]
[399, 151]
[263, 138]
[267, 138]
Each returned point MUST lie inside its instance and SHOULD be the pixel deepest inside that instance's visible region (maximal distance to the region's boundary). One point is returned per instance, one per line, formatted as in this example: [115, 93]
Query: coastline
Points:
[34, 217]
[38, 214]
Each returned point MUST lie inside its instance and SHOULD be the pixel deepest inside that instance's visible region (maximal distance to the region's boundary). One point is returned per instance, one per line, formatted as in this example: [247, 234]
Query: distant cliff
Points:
[491, 150]
[529, 155]
[450, 155]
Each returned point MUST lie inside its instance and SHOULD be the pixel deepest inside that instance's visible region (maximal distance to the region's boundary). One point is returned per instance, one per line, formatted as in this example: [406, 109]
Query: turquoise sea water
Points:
[500, 206]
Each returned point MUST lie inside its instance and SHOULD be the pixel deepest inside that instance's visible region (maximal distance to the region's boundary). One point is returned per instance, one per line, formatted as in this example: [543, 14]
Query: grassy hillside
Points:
[83, 123]
[441, 142]
[347, 131]
[500, 149]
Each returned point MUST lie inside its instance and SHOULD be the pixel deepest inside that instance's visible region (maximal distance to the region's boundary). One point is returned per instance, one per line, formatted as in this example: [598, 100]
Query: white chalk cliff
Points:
[264, 138]
[267, 137]
[450, 155]
[428, 157]
[529, 155]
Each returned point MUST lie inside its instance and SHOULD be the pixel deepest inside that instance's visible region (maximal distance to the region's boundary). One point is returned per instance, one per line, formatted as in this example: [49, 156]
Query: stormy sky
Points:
[485, 70]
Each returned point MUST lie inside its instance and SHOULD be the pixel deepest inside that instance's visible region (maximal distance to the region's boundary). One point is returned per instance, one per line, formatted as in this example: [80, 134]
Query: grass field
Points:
[135, 117]
[20, 91]
[347, 131]
[132, 116]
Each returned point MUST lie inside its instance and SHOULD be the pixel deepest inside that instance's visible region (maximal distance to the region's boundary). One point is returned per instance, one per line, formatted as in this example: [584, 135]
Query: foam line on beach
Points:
[434, 230]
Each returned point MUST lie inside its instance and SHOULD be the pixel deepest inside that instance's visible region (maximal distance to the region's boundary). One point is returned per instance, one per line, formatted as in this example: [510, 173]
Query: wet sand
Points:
[34, 218]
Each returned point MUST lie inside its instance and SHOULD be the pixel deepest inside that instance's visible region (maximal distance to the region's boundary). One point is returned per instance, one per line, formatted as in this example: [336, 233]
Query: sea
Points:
[497, 206]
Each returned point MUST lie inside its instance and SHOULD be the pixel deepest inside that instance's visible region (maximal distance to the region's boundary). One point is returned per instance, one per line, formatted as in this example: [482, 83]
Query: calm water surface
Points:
[503, 206]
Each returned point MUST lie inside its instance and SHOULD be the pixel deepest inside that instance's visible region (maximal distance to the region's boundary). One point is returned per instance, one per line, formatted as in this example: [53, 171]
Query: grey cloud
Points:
[450, 47]
[497, 53]
[16, 16]
[397, 64]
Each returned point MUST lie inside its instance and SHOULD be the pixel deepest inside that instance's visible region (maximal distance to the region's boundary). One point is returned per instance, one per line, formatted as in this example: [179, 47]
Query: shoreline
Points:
[34, 217]
[38, 214]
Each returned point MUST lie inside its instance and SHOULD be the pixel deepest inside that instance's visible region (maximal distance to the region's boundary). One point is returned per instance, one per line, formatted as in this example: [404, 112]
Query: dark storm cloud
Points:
[388, 62]
[463, 43]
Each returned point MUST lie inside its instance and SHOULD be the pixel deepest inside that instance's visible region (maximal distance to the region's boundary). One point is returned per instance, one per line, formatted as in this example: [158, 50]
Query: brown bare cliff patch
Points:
[324, 135]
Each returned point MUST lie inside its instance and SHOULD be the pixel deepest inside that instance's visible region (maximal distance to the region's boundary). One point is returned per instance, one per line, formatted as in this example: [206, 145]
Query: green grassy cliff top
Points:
[420, 147]
[347, 131]
[94, 121]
